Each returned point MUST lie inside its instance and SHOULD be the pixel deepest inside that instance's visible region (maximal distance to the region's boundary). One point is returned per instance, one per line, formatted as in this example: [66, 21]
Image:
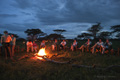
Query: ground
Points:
[31, 69]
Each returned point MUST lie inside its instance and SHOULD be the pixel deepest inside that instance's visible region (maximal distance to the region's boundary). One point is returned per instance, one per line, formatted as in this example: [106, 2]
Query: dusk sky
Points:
[75, 16]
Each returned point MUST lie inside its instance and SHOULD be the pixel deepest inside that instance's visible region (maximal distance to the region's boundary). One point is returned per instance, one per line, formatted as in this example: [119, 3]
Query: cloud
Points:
[13, 27]
[52, 12]
[58, 14]
[23, 4]
[26, 13]
[7, 15]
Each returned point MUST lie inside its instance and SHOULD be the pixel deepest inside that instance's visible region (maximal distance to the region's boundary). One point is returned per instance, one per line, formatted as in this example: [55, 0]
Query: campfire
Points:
[41, 54]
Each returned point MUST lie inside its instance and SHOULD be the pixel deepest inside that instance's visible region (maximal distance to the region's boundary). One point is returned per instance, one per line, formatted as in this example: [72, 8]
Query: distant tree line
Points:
[92, 32]
[95, 32]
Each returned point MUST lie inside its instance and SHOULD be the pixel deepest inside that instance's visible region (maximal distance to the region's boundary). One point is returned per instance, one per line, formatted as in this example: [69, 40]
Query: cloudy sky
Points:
[75, 16]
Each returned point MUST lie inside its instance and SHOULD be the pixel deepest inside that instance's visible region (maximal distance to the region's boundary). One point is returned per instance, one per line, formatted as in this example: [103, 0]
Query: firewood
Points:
[25, 56]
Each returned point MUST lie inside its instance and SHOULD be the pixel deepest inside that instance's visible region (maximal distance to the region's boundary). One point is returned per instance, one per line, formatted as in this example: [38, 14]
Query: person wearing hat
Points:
[5, 40]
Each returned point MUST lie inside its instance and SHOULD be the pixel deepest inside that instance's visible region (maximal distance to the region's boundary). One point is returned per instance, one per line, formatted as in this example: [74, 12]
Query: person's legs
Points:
[9, 50]
[5, 47]
[32, 48]
[81, 47]
[72, 47]
[13, 49]
[27, 48]
[35, 49]
[53, 47]
[93, 50]
[103, 49]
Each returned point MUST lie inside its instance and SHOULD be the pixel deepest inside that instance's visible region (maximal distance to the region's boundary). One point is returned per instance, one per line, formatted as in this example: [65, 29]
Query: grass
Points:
[30, 69]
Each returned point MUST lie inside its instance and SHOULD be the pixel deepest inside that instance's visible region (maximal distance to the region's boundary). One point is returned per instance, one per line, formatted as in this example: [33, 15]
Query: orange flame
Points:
[41, 53]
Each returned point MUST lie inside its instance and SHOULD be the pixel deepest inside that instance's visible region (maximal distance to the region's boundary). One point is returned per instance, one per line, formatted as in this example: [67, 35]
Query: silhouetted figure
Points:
[5, 40]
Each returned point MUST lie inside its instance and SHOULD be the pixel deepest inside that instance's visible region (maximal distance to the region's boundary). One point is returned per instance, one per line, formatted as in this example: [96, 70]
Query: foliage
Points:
[54, 36]
[84, 35]
[33, 33]
[59, 31]
[105, 35]
[115, 28]
[94, 30]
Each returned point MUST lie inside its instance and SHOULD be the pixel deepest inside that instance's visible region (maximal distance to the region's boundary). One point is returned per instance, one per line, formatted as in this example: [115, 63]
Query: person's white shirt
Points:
[100, 44]
[74, 43]
[63, 43]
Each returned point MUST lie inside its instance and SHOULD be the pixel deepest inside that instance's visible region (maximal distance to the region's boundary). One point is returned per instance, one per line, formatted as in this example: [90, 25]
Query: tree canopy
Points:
[59, 31]
[84, 35]
[105, 34]
[115, 28]
[94, 30]
[33, 32]
[55, 36]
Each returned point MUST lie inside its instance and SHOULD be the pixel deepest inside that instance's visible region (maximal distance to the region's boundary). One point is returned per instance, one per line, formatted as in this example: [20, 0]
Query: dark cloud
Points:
[51, 12]
[79, 11]
[23, 4]
[26, 13]
[62, 14]
[13, 27]
[7, 15]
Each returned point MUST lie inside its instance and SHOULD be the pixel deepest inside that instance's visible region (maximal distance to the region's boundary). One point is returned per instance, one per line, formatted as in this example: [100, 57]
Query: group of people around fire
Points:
[8, 43]
[74, 46]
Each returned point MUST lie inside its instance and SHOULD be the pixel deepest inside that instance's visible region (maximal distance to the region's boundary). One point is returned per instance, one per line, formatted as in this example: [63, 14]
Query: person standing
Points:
[5, 40]
[29, 45]
[34, 46]
[42, 45]
[13, 43]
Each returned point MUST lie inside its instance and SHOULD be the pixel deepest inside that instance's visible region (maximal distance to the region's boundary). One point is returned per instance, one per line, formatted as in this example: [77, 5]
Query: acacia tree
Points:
[94, 30]
[105, 34]
[33, 32]
[116, 29]
[54, 36]
[59, 31]
[84, 35]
